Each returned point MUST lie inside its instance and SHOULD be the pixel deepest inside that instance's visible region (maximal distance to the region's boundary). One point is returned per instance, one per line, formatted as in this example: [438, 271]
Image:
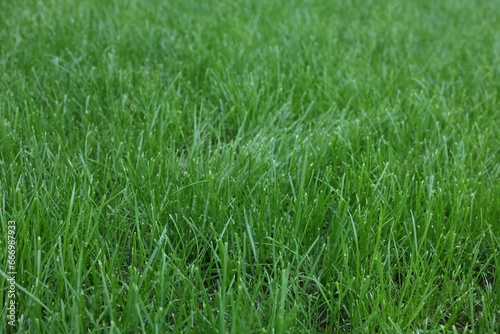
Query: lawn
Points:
[293, 166]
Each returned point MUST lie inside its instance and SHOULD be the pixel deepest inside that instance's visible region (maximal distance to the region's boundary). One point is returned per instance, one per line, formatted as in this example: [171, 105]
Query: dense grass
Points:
[298, 166]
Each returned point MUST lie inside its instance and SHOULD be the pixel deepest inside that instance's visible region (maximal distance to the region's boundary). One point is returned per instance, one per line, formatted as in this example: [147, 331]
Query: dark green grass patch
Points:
[250, 166]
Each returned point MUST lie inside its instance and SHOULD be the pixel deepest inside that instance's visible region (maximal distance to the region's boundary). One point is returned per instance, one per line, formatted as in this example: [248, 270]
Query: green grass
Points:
[295, 166]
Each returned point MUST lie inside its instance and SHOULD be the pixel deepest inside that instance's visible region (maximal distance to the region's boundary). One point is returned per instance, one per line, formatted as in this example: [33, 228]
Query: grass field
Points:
[294, 166]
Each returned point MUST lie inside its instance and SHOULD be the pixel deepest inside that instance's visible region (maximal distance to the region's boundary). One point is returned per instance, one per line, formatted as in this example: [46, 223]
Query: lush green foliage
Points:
[299, 166]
